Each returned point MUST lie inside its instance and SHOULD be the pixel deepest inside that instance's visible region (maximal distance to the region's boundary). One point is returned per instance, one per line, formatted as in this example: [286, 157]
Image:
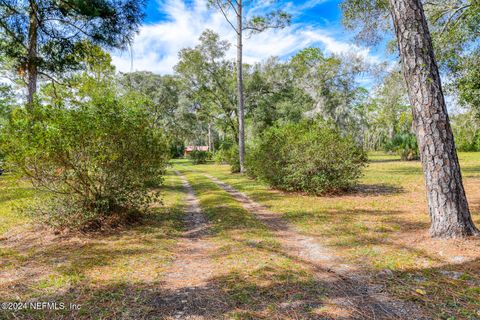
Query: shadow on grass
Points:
[408, 171]
[343, 229]
[471, 172]
[12, 188]
[169, 188]
[347, 215]
[270, 292]
[470, 169]
[368, 190]
[452, 291]
[384, 160]
[272, 194]
[288, 295]
[38, 260]
[15, 194]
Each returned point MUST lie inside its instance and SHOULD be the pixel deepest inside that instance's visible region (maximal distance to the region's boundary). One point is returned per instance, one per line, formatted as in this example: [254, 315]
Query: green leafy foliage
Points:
[208, 80]
[468, 81]
[199, 156]
[271, 95]
[63, 26]
[454, 26]
[272, 20]
[162, 95]
[6, 106]
[466, 131]
[228, 154]
[176, 148]
[331, 82]
[404, 145]
[387, 115]
[97, 157]
[368, 17]
[308, 156]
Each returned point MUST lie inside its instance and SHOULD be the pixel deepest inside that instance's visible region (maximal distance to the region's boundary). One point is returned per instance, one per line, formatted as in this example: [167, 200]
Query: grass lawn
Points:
[382, 228]
[110, 275]
[14, 194]
[254, 278]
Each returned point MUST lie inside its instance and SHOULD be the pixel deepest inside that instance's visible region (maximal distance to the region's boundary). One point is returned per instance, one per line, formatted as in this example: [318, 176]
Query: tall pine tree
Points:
[42, 38]
[447, 203]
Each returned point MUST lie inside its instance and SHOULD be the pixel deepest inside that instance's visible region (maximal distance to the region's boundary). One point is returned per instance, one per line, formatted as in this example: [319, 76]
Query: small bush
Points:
[405, 145]
[199, 157]
[96, 157]
[228, 154]
[176, 149]
[308, 156]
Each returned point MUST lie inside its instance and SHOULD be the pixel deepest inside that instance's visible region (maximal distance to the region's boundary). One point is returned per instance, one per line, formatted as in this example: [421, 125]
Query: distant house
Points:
[189, 149]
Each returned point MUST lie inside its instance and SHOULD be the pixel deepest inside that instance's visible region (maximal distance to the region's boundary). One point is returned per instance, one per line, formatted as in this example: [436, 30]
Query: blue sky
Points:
[171, 25]
[328, 10]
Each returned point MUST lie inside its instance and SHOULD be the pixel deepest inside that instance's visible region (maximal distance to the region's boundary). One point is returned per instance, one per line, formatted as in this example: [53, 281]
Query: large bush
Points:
[308, 156]
[199, 156]
[97, 156]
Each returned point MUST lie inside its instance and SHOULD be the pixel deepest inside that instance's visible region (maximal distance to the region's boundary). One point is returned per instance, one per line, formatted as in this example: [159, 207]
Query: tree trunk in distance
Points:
[210, 137]
[241, 126]
[32, 72]
[447, 203]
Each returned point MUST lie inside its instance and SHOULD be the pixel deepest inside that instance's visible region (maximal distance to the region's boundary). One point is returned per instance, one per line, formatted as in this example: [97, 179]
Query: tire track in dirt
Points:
[188, 293]
[351, 291]
[190, 266]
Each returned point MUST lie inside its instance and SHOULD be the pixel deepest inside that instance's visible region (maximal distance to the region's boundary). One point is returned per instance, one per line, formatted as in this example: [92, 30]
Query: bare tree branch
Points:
[218, 4]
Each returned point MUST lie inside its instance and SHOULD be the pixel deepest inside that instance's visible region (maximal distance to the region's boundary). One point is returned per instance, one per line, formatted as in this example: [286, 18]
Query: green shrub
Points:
[405, 145]
[199, 157]
[176, 149]
[466, 131]
[307, 156]
[467, 143]
[97, 157]
[228, 154]
[7, 103]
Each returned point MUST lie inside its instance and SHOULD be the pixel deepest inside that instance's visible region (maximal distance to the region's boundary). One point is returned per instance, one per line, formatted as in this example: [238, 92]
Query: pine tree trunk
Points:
[241, 127]
[448, 206]
[32, 73]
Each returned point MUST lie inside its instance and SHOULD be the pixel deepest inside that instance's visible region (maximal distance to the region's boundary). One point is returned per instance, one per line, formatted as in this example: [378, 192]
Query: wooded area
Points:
[314, 185]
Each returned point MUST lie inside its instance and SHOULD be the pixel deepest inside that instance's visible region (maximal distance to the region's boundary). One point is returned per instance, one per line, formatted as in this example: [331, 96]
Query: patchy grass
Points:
[257, 280]
[110, 275]
[14, 194]
[382, 227]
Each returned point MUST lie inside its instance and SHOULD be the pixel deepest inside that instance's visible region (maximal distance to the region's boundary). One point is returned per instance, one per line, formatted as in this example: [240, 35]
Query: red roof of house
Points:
[199, 148]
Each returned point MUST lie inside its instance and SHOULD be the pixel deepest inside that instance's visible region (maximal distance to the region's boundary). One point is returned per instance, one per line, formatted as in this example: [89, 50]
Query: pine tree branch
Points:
[220, 7]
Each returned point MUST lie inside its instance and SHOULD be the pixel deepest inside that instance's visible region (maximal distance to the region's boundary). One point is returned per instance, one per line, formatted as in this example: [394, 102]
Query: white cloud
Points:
[156, 46]
[311, 4]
